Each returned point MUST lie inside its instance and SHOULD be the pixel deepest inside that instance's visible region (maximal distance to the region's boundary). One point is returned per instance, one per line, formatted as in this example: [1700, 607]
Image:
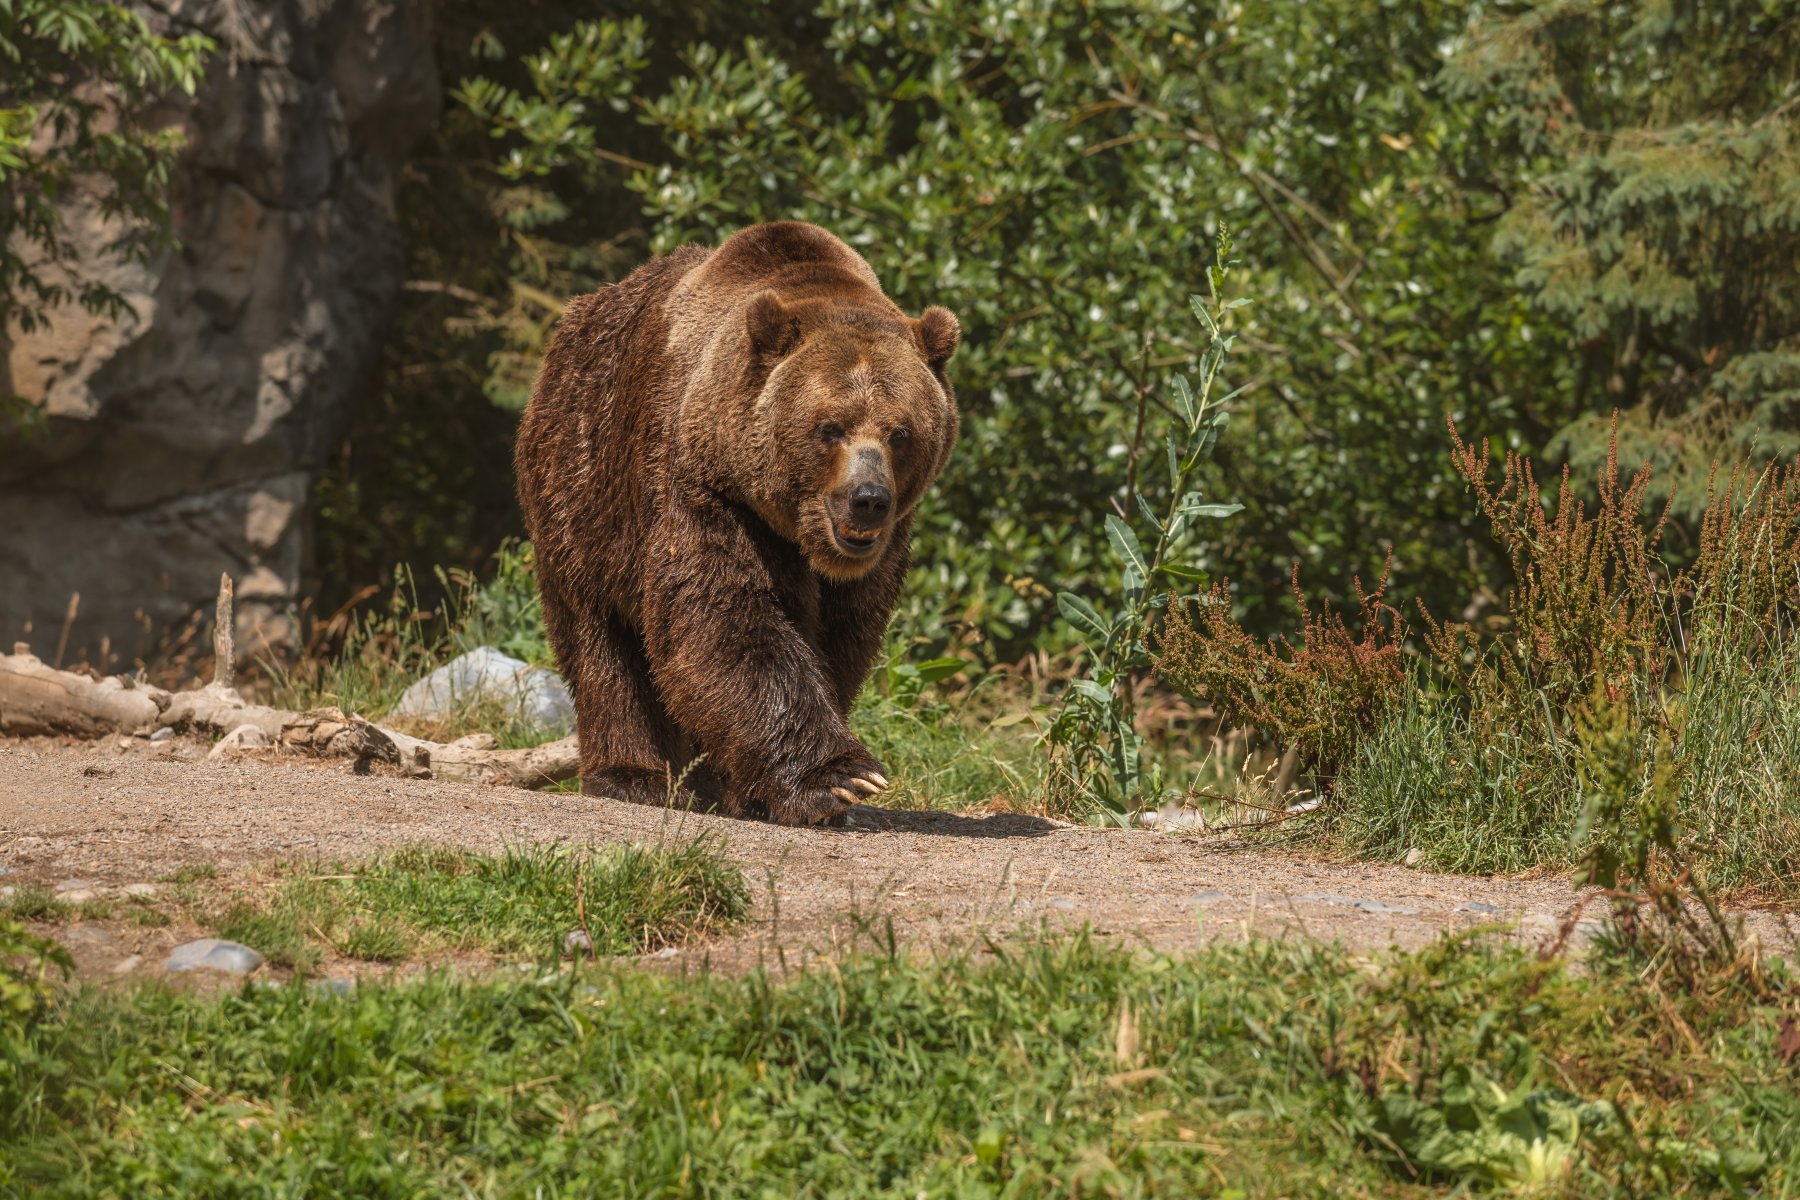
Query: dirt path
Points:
[96, 814]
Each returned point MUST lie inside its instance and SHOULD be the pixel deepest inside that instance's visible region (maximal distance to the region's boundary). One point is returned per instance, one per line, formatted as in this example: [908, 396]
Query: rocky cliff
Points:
[183, 441]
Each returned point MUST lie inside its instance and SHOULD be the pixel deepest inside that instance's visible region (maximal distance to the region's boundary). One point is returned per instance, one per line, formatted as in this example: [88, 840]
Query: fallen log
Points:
[37, 699]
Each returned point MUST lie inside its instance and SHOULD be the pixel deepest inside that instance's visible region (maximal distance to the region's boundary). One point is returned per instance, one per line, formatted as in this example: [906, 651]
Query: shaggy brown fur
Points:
[719, 469]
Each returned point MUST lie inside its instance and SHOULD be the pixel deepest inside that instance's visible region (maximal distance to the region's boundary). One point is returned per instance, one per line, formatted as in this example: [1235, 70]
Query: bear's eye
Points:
[900, 436]
[831, 432]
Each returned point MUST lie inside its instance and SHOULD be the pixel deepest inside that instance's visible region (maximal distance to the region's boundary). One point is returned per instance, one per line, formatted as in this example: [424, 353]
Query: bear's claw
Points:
[823, 796]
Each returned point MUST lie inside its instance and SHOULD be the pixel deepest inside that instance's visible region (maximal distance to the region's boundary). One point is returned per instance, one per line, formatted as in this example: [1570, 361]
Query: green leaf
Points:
[935, 669]
[1125, 545]
[1082, 615]
[1184, 399]
[1178, 571]
[1093, 691]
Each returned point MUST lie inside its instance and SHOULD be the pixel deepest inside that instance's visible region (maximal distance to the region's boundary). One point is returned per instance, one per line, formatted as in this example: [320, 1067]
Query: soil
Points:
[127, 811]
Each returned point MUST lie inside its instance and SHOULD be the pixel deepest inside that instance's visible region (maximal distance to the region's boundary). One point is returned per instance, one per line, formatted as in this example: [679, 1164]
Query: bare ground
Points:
[117, 814]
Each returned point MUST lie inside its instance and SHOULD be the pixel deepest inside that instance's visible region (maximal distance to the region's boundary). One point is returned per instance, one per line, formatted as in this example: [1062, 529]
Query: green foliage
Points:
[1099, 748]
[1649, 154]
[75, 81]
[27, 963]
[1056, 1068]
[1052, 174]
[948, 748]
[1478, 1131]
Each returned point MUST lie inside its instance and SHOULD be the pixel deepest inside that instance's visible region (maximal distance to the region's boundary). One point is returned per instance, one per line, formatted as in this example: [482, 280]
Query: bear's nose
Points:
[870, 504]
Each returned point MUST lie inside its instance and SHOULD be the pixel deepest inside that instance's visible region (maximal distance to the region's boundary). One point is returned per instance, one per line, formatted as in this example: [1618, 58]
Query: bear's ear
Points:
[939, 335]
[773, 330]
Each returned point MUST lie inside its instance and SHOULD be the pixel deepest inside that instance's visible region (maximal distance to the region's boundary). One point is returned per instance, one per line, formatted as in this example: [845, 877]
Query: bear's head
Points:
[854, 417]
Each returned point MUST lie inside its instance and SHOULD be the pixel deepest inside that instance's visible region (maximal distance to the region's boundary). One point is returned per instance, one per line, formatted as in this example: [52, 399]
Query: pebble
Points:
[213, 954]
[334, 987]
[75, 885]
[126, 966]
[78, 896]
[577, 942]
[1413, 858]
[163, 734]
[1374, 906]
[138, 889]
[87, 935]
[1476, 906]
[666, 952]
[244, 737]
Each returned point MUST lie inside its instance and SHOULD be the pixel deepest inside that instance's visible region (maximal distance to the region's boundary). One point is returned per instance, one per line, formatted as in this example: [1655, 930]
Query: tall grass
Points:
[1475, 757]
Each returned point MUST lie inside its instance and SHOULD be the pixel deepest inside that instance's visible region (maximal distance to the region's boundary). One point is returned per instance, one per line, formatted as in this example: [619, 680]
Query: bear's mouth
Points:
[852, 541]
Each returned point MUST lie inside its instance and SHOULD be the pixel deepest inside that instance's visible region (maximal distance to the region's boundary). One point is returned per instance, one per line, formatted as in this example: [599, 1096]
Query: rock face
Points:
[184, 441]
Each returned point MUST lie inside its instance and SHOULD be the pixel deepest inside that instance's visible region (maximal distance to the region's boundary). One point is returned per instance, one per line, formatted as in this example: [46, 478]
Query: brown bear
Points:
[719, 469]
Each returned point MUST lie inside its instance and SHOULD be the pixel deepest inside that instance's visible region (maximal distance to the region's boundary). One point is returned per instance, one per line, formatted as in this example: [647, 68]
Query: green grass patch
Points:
[523, 901]
[34, 902]
[192, 873]
[1062, 1068]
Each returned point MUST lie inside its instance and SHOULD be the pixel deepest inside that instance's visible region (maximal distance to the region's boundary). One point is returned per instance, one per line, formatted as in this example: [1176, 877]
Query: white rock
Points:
[1413, 858]
[539, 696]
[239, 741]
[126, 966]
[138, 889]
[74, 885]
[577, 942]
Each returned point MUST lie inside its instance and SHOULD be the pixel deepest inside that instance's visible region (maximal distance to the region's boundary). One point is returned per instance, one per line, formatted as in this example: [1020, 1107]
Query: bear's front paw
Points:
[825, 793]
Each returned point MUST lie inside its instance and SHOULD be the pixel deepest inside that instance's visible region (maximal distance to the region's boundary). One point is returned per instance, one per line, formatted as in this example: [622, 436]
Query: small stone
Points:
[163, 734]
[1374, 906]
[240, 740]
[577, 941]
[334, 987]
[87, 935]
[1062, 902]
[75, 885]
[138, 889]
[1477, 906]
[126, 966]
[666, 952]
[1413, 858]
[78, 896]
[213, 954]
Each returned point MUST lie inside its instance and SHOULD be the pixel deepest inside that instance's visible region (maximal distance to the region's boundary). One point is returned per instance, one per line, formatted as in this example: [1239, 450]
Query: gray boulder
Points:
[213, 954]
[539, 697]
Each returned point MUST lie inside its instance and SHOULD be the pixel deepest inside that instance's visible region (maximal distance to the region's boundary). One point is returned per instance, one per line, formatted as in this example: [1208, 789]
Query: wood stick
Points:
[62, 643]
[224, 633]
